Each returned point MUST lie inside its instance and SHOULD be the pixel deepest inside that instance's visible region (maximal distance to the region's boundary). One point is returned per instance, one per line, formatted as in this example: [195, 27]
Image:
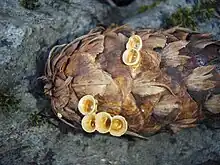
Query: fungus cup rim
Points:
[98, 120]
[84, 122]
[131, 39]
[125, 54]
[81, 103]
[124, 127]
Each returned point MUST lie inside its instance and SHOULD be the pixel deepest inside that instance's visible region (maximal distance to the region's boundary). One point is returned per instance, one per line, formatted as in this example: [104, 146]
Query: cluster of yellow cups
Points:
[102, 122]
[131, 56]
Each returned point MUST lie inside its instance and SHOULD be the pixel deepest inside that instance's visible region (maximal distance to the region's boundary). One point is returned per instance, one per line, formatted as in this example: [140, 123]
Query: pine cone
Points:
[119, 80]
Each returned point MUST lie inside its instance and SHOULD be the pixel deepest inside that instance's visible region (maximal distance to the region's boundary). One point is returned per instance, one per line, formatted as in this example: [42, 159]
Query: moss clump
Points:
[8, 100]
[36, 119]
[189, 17]
[30, 4]
[144, 8]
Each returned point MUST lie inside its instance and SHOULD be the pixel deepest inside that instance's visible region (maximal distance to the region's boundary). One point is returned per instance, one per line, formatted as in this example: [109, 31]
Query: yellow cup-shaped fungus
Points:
[103, 122]
[88, 123]
[59, 115]
[87, 104]
[119, 126]
[131, 57]
[134, 42]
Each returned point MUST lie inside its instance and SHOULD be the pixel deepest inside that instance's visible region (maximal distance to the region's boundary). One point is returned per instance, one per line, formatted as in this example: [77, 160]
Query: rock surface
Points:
[26, 36]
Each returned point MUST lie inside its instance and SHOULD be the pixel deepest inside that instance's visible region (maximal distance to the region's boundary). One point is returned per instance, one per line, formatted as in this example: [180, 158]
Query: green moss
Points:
[189, 17]
[8, 100]
[36, 119]
[66, 1]
[144, 8]
[30, 4]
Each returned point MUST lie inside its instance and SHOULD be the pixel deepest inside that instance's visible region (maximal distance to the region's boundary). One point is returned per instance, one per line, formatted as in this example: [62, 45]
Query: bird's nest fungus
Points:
[124, 81]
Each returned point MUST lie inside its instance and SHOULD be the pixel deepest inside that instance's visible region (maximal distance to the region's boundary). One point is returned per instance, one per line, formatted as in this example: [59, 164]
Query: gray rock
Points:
[211, 26]
[26, 36]
[154, 18]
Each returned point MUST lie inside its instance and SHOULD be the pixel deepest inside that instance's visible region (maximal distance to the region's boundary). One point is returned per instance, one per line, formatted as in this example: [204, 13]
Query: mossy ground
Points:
[8, 100]
[36, 119]
[30, 4]
[189, 17]
[144, 8]
[186, 17]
